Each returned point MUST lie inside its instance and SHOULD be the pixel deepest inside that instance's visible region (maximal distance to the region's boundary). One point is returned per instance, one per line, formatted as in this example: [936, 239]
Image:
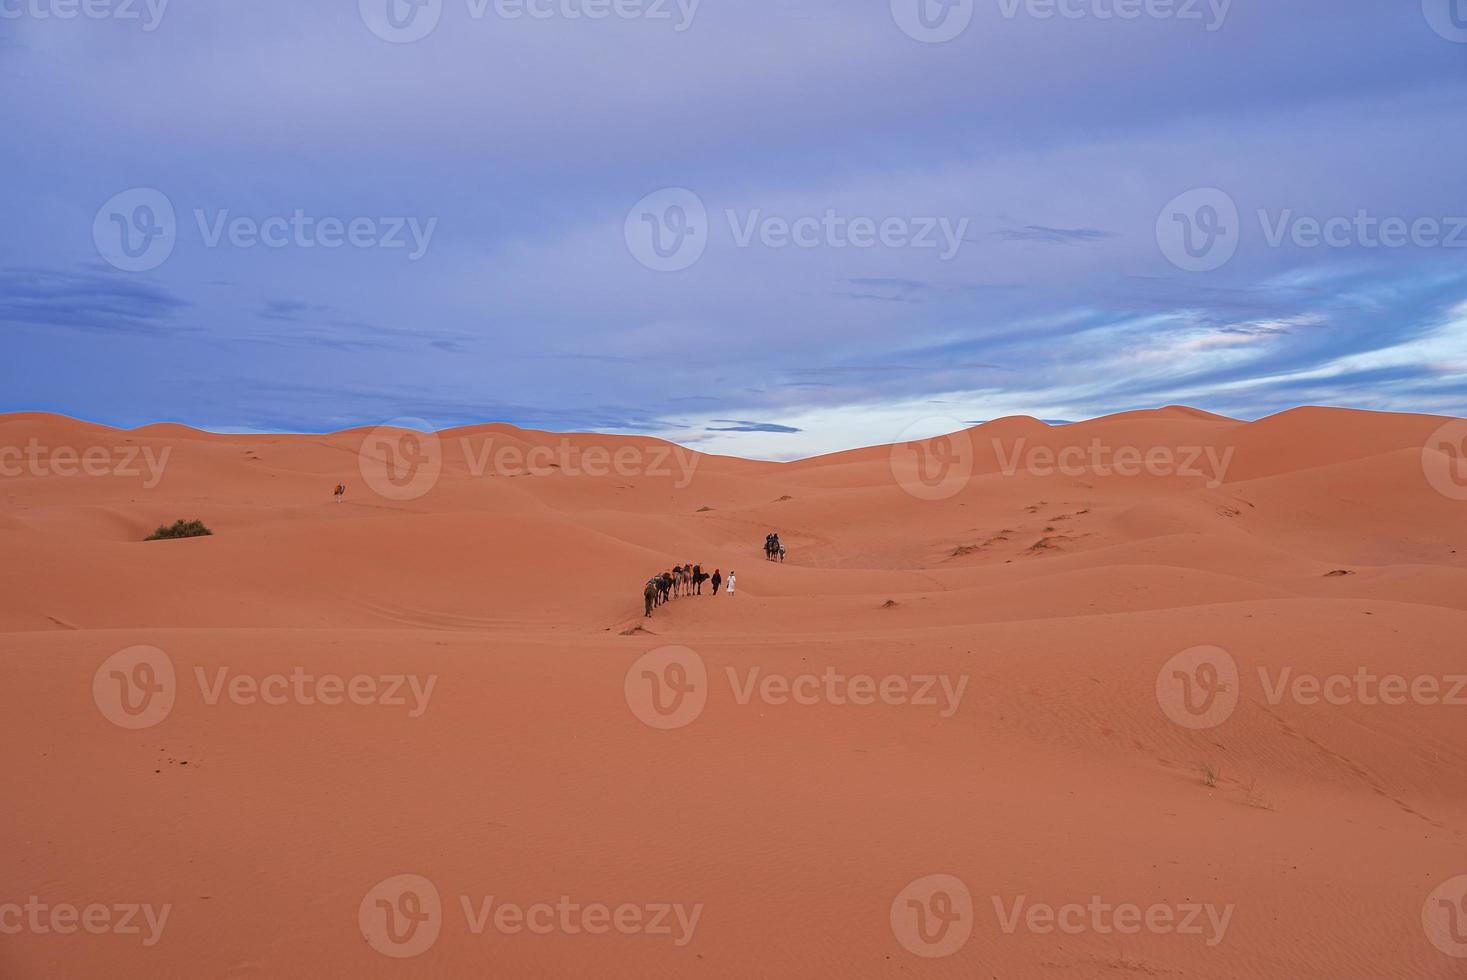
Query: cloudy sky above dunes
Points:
[754, 227]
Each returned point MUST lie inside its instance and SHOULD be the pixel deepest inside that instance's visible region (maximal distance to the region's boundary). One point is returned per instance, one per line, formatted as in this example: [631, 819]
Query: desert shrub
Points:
[179, 529]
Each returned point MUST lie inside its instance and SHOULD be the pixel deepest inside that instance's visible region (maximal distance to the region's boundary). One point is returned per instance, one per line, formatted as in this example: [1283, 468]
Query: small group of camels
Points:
[682, 580]
[688, 579]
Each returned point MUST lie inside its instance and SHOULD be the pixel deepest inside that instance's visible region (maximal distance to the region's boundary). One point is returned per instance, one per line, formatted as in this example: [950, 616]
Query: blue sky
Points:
[762, 228]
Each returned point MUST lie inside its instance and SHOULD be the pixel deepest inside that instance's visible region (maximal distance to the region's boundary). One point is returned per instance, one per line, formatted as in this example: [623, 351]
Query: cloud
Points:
[90, 299]
[1054, 236]
[736, 425]
[531, 308]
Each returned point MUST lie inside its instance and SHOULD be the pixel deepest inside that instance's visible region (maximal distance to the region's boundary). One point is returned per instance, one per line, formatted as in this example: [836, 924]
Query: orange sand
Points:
[1054, 598]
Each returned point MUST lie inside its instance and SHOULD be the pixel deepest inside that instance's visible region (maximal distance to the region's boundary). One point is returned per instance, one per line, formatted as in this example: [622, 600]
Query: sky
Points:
[767, 228]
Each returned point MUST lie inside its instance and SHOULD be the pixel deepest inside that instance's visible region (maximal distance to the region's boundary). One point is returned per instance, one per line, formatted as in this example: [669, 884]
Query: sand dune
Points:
[1023, 590]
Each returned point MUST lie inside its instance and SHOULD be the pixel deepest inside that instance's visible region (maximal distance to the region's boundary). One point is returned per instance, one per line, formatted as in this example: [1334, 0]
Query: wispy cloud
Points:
[89, 299]
[739, 425]
[1054, 236]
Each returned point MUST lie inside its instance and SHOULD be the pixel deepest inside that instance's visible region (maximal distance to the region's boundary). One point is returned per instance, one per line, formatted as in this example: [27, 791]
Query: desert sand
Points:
[449, 676]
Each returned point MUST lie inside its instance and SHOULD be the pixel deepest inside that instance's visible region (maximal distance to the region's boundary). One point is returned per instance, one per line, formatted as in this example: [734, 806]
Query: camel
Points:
[685, 579]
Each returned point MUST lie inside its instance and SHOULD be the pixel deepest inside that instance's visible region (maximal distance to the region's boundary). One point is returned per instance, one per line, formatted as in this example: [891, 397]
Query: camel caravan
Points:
[682, 580]
[687, 579]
